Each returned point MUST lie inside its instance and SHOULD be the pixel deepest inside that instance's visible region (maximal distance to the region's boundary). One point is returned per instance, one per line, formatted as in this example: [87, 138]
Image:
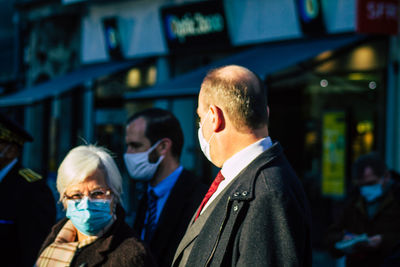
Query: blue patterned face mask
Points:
[89, 216]
[371, 192]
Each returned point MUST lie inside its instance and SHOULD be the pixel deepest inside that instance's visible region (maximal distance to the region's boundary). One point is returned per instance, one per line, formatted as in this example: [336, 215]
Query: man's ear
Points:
[165, 146]
[161, 150]
[218, 118]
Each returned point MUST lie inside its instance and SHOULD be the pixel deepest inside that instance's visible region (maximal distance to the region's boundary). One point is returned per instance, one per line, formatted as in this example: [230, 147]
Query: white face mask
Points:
[204, 145]
[138, 164]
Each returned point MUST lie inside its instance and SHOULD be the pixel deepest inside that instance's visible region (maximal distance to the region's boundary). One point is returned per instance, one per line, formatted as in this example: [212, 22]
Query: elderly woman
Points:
[94, 232]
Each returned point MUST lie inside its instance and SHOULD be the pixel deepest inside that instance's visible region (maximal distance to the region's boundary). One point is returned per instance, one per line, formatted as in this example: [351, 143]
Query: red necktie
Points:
[210, 192]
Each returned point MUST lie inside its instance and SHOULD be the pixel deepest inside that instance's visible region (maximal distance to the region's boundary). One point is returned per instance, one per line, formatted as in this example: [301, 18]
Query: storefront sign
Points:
[333, 153]
[378, 16]
[199, 25]
[310, 15]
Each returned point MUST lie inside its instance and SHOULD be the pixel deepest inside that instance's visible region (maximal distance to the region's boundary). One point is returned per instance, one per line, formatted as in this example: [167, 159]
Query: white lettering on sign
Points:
[379, 10]
[197, 24]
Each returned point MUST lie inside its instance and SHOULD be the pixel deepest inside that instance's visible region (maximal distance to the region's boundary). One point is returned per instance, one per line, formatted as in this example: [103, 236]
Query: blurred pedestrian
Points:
[154, 142]
[368, 229]
[255, 212]
[27, 206]
[94, 232]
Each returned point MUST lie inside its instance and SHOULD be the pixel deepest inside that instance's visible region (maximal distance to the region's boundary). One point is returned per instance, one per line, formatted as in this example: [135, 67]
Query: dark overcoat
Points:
[261, 219]
[118, 247]
[27, 213]
[184, 199]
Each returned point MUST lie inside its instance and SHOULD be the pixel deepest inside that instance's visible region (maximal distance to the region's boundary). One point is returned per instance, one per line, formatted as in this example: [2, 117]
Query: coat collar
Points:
[243, 189]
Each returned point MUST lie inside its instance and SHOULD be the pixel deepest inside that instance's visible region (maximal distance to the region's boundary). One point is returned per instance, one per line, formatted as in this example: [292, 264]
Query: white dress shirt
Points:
[238, 162]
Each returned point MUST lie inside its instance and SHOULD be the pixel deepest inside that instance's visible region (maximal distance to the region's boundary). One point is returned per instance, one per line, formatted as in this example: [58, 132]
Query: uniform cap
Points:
[11, 131]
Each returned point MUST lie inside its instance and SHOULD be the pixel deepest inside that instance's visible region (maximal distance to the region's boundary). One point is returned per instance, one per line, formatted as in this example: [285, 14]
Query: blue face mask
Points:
[89, 216]
[371, 192]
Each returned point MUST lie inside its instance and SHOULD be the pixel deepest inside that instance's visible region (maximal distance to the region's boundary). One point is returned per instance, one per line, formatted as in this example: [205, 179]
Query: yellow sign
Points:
[333, 154]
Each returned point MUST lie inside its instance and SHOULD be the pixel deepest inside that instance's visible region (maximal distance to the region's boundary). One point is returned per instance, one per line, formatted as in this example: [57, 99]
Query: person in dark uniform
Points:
[27, 206]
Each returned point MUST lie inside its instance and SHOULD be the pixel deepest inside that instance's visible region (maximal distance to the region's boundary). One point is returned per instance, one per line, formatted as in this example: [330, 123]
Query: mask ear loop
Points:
[201, 124]
[114, 207]
[151, 149]
[209, 140]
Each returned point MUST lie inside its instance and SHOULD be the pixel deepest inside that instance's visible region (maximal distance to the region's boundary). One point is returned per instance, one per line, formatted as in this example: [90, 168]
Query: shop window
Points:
[326, 113]
[133, 78]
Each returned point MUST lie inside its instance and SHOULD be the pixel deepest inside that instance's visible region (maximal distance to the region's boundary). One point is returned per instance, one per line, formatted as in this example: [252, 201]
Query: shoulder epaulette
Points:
[29, 175]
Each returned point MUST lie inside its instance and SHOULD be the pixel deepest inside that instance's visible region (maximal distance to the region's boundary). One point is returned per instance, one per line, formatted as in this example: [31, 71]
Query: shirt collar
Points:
[7, 168]
[235, 164]
[166, 185]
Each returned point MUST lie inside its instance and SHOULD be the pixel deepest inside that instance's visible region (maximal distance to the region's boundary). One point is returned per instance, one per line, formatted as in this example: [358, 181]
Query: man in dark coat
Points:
[374, 210]
[27, 206]
[154, 143]
[255, 212]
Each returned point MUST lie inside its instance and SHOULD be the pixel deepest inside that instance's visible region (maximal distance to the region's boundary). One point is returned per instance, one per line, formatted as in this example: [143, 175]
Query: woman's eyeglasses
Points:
[95, 194]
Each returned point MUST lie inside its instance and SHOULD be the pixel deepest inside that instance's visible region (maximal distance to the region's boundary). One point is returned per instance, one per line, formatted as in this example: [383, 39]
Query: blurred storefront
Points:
[333, 87]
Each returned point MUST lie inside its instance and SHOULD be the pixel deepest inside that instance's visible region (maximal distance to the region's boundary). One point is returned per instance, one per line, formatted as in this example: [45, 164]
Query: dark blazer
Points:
[118, 247]
[27, 213]
[184, 199]
[261, 219]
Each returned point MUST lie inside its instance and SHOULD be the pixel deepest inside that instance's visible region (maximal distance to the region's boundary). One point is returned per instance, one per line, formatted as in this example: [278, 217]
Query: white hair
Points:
[81, 162]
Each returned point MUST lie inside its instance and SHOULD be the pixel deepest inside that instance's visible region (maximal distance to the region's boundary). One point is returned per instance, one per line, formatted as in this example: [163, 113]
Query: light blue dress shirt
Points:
[162, 191]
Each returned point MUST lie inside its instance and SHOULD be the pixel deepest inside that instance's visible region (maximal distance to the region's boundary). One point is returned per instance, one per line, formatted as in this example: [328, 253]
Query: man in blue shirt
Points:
[154, 142]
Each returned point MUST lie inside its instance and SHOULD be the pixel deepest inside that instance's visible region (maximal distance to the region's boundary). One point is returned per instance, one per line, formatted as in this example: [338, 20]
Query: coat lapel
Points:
[195, 227]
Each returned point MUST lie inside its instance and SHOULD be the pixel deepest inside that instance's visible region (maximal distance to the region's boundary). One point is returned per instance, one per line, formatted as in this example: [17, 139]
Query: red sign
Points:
[378, 16]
